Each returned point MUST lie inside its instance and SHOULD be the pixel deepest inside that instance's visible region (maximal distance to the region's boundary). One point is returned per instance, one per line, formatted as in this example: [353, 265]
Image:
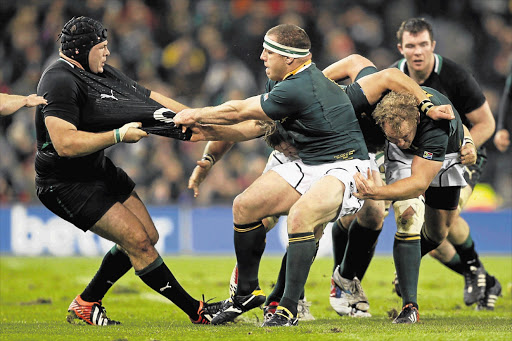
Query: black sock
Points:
[490, 281]
[278, 290]
[249, 247]
[114, 265]
[406, 253]
[339, 242]
[159, 278]
[427, 244]
[360, 249]
[301, 252]
[467, 253]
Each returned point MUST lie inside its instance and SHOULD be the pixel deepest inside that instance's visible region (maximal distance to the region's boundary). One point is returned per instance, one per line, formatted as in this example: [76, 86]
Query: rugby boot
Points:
[93, 313]
[474, 284]
[237, 305]
[491, 296]
[281, 318]
[408, 315]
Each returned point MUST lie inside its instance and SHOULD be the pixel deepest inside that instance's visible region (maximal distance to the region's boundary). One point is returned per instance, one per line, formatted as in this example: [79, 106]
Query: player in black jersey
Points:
[89, 103]
[416, 43]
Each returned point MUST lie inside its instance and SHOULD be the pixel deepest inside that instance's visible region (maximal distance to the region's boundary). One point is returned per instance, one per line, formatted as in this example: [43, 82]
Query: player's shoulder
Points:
[59, 74]
[447, 68]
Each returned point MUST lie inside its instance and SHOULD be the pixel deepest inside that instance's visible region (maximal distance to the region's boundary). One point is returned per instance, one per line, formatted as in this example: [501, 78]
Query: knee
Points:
[154, 236]
[297, 220]
[139, 242]
[409, 215]
[240, 207]
[372, 217]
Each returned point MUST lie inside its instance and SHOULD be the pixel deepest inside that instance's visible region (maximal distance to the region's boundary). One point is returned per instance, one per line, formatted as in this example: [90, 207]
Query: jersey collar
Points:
[299, 69]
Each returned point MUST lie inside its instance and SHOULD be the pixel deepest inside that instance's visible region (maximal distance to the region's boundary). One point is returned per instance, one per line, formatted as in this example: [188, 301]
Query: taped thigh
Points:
[412, 223]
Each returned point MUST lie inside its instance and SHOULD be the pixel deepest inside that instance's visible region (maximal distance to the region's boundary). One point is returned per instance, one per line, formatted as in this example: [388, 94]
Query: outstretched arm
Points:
[230, 112]
[243, 131]
[9, 104]
[167, 102]
[422, 173]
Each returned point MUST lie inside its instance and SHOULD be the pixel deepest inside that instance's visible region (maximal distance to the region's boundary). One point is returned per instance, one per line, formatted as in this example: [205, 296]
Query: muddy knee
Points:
[409, 215]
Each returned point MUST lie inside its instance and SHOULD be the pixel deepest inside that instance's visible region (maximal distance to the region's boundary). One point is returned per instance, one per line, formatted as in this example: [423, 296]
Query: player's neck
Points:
[72, 61]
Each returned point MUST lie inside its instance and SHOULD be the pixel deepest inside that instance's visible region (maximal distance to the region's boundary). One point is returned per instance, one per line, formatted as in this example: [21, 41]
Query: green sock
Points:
[159, 278]
[301, 252]
[407, 256]
[467, 253]
[114, 265]
[455, 264]
[249, 247]
[360, 249]
[278, 290]
[339, 242]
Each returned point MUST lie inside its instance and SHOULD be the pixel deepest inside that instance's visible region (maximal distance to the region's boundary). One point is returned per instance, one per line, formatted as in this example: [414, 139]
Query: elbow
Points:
[64, 150]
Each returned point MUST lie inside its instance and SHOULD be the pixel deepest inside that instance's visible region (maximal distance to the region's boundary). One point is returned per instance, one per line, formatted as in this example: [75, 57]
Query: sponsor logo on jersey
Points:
[427, 155]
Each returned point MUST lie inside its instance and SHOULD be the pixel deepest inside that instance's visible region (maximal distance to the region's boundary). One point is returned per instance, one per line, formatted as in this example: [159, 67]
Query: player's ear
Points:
[399, 47]
[289, 60]
[433, 45]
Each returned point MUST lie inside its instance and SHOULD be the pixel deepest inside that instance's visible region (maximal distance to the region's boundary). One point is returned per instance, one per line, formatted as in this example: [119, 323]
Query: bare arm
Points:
[347, 67]
[483, 124]
[213, 152]
[68, 141]
[9, 104]
[243, 131]
[231, 112]
[167, 102]
[376, 84]
[422, 173]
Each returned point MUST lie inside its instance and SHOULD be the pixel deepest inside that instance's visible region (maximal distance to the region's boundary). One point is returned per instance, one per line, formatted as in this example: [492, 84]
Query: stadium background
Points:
[204, 52]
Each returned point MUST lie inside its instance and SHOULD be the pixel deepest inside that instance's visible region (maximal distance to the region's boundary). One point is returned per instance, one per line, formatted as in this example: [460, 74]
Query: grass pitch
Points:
[35, 294]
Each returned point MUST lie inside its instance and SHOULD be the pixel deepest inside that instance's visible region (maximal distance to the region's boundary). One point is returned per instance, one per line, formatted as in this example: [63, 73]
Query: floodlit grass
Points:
[35, 294]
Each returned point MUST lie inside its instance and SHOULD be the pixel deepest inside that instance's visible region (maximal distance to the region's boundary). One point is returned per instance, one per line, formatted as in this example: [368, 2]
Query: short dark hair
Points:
[414, 26]
[291, 35]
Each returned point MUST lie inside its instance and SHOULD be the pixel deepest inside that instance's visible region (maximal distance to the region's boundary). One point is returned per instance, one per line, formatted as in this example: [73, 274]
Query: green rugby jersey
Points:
[318, 116]
[435, 139]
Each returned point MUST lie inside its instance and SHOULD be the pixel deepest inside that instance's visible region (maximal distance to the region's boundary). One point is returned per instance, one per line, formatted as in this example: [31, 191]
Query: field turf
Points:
[35, 294]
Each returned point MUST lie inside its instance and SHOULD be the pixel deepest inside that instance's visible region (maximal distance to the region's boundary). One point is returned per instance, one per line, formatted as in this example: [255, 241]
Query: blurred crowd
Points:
[204, 52]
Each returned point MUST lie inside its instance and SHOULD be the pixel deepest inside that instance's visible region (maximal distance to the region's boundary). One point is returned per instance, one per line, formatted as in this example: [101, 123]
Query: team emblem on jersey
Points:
[265, 96]
[427, 155]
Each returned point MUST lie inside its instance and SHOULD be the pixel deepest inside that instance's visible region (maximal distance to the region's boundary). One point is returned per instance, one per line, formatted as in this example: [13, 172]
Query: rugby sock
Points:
[277, 292]
[360, 249]
[159, 278]
[407, 256]
[467, 253]
[455, 264]
[427, 244]
[114, 265]
[301, 252]
[249, 247]
[339, 242]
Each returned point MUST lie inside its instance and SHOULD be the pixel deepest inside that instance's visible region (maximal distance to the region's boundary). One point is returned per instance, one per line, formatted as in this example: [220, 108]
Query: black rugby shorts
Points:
[84, 203]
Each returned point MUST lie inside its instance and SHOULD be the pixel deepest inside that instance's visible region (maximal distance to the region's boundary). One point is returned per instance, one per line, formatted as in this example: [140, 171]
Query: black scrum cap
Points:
[78, 36]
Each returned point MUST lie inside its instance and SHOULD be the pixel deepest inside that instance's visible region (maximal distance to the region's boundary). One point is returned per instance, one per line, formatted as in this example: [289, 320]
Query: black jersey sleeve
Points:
[63, 94]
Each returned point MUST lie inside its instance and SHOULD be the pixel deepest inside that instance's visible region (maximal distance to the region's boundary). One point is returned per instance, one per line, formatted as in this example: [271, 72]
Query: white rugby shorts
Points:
[301, 176]
[398, 166]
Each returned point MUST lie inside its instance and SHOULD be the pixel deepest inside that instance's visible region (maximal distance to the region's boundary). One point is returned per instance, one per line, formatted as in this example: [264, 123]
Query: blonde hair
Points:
[394, 109]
